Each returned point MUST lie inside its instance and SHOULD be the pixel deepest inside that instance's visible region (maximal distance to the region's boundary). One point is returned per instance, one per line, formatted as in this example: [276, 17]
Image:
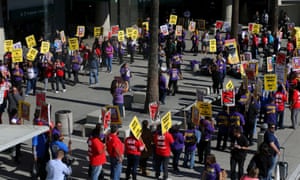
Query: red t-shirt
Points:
[114, 143]
[280, 99]
[163, 144]
[60, 69]
[96, 151]
[296, 99]
[133, 146]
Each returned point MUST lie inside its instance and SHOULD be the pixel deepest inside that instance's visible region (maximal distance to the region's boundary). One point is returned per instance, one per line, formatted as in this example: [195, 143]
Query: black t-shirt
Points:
[239, 153]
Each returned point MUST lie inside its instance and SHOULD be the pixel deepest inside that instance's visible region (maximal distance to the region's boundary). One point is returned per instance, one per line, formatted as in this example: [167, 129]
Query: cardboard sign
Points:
[98, 31]
[250, 27]
[30, 41]
[31, 54]
[192, 26]
[106, 118]
[166, 122]
[115, 116]
[135, 34]
[248, 56]
[256, 28]
[153, 110]
[115, 29]
[229, 85]
[17, 45]
[24, 110]
[146, 25]
[178, 30]
[135, 127]
[45, 47]
[73, 44]
[58, 45]
[195, 115]
[173, 19]
[62, 36]
[164, 29]
[219, 24]
[228, 97]
[121, 36]
[40, 99]
[129, 31]
[296, 63]
[17, 55]
[201, 24]
[233, 57]
[80, 31]
[212, 45]
[281, 72]
[270, 82]
[8, 45]
[270, 64]
[205, 108]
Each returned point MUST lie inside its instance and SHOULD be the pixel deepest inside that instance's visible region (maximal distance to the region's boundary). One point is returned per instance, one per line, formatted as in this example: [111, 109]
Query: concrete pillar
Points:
[2, 33]
[227, 10]
[103, 16]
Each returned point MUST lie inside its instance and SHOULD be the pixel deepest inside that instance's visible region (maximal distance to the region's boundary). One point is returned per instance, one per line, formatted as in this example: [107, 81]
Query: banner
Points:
[166, 122]
[80, 31]
[205, 108]
[58, 45]
[106, 118]
[270, 82]
[115, 29]
[17, 45]
[30, 41]
[31, 54]
[17, 55]
[153, 110]
[173, 19]
[121, 36]
[73, 44]
[178, 30]
[62, 36]
[233, 57]
[98, 31]
[195, 115]
[24, 110]
[8, 45]
[212, 45]
[192, 26]
[256, 28]
[296, 63]
[228, 97]
[135, 127]
[270, 64]
[115, 116]
[129, 31]
[164, 29]
[45, 47]
[40, 99]
[219, 24]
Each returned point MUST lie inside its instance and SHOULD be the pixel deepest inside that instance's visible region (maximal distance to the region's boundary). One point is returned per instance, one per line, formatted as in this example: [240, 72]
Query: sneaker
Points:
[64, 90]
[26, 95]
[56, 92]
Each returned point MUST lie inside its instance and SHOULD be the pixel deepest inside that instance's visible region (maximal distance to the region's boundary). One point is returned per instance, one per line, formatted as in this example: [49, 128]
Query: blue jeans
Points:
[132, 164]
[189, 157]
[93, 76]
[31, 84]
[272, 168]
[95, 172]
[294, 116]
[109, 63]
[115, 168]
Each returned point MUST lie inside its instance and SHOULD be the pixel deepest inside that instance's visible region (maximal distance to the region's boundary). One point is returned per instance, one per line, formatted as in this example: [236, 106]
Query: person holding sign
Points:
[163, 144]
[117, 90]
[195, 43]
[59, 73]
[207, 129]
[17, 76]
[133, 149]
[295, 106]
[177, 146]
[32, 75]
[4, 88]
[76, 60]
[147, 138]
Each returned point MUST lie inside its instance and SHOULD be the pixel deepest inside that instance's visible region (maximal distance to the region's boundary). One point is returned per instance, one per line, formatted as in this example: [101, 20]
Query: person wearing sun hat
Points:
[163, 84]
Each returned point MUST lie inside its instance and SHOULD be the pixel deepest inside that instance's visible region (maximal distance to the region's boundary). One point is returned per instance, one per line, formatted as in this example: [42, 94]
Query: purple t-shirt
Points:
[118, 96]
[109, 51]
[212, 171]
[18, 78]
[174, 74]
[125, 73]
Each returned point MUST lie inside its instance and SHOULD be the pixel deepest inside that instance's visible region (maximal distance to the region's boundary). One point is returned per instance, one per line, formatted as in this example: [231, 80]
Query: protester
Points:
[59, 74]
[32, 75]
[280, 99]
[222, 119]
[215, 74]
[163, 144]
[117, 90]
[295, 106]
[212, 169]
[4, 86]
[204, 147]
[174, 76]
[76, 61]
[48, 74]
[131, 49]
[191, 139]
[58, 144]
[147, 138]
[163, 84]
[93, 67]
[239, 147]
[133, 149]
[96, 152]
[17, 76]
[13, 99]
[56, 169]
[251, 175]
[126, 74]
[177, 146]
[251, 118]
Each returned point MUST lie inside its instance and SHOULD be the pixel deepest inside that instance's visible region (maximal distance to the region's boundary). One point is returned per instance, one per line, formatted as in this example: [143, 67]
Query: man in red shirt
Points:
[115, 150]
[163, 144]
[280, 99]
[96, 152]
[295, 106]
[133, 149]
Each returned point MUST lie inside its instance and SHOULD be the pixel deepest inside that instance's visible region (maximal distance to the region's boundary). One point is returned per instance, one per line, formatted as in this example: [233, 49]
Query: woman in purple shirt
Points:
[117, 89]
[212, 169]
[109, 51]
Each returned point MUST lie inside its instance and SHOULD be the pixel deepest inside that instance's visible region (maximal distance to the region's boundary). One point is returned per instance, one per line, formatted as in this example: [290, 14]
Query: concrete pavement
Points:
[81, 100]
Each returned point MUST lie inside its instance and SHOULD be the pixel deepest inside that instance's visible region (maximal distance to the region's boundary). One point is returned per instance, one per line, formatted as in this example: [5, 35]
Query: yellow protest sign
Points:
[31, 54]
[212, 45]
[62, 36]
[73, 44]
[45, 47]
[121, 35]
[173, 19]
[30, 41]
[8, 45]
[17, 55]
[129, 31]
[195, 115]
[135, 34]
[229, 85]
[256, 28]
[80, 31]
[166, 122]
[297, 42]
[135, 127]
[98, 31]
[233, 57]
[205, 108]
[146, 25]
[270, 82]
